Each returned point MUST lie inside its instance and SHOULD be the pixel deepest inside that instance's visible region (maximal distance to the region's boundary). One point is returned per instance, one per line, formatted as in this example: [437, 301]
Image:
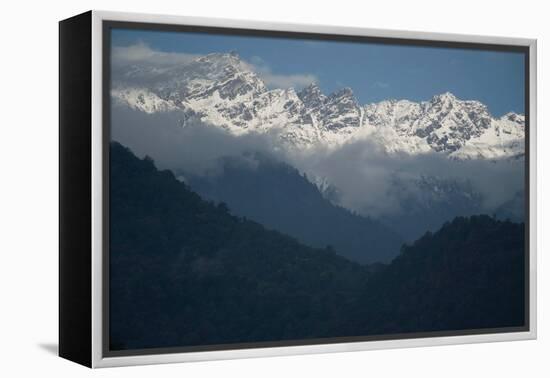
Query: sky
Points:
[375, 72]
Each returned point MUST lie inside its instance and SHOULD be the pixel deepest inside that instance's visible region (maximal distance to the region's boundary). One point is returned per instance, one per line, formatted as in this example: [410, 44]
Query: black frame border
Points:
[75, 189]
[108, 25]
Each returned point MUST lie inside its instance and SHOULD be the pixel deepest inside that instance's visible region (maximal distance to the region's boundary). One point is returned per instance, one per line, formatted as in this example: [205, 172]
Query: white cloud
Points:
[364, 175]
[288, 81]
[142, 53]
[274, 80]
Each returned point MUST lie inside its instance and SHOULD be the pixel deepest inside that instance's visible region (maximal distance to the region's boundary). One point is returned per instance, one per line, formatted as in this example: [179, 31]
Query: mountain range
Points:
[223, 90]
[403, 167]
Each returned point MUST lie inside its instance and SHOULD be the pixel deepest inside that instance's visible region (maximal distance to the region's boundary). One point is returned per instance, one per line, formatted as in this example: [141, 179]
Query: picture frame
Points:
[86, 118]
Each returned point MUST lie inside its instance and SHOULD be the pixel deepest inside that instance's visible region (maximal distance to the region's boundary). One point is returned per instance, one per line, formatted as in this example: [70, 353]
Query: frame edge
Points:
[98, 360]
[75, 288]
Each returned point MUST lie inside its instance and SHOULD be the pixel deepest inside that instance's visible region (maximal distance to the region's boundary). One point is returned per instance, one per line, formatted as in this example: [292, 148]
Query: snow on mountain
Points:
[503, 139]
[337, 116]
[462, 129]
[312, 97]
[224, 91]
[142, 99]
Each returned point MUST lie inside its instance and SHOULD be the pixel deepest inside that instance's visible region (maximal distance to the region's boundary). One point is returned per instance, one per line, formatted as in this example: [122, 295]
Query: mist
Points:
[194, 147]
[363, 176]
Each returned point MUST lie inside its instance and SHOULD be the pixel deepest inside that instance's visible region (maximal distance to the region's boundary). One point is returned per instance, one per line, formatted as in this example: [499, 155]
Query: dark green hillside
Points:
[469, 274]
[184, 272]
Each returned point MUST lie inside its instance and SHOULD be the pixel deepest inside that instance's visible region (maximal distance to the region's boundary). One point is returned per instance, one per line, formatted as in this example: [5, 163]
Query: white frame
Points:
[98, 360]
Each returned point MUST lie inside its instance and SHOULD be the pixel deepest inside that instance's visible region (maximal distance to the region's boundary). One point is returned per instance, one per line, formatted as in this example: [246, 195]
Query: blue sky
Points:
[375, 72]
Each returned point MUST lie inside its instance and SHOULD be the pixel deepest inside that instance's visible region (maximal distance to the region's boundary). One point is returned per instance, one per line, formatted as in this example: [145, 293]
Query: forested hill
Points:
[468, 275]
[185, 272]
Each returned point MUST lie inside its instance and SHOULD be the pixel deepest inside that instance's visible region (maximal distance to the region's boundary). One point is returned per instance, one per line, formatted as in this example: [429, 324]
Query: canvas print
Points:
[283, 190]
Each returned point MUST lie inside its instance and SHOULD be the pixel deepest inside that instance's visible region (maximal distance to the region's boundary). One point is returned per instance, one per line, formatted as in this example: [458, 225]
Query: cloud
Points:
[126, 59]
[139, 65]
[368, 180]
[288, 81]
[141, 53]
[274, 80]
[195, 148]
[375, 183]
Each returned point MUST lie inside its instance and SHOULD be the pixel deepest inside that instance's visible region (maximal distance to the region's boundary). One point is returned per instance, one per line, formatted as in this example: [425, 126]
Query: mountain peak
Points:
[312, 96]
[444, 97]
[311, 88]
[344, 92]
[228, 58]
[344, 97]
[514, 117]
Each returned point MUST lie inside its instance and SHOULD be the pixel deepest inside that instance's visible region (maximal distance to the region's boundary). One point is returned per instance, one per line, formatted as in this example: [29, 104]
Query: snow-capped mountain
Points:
[462, 129]
[222, 90]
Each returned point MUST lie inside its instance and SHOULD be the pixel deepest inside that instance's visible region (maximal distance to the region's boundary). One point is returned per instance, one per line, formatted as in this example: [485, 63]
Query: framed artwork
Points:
[235, 189]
